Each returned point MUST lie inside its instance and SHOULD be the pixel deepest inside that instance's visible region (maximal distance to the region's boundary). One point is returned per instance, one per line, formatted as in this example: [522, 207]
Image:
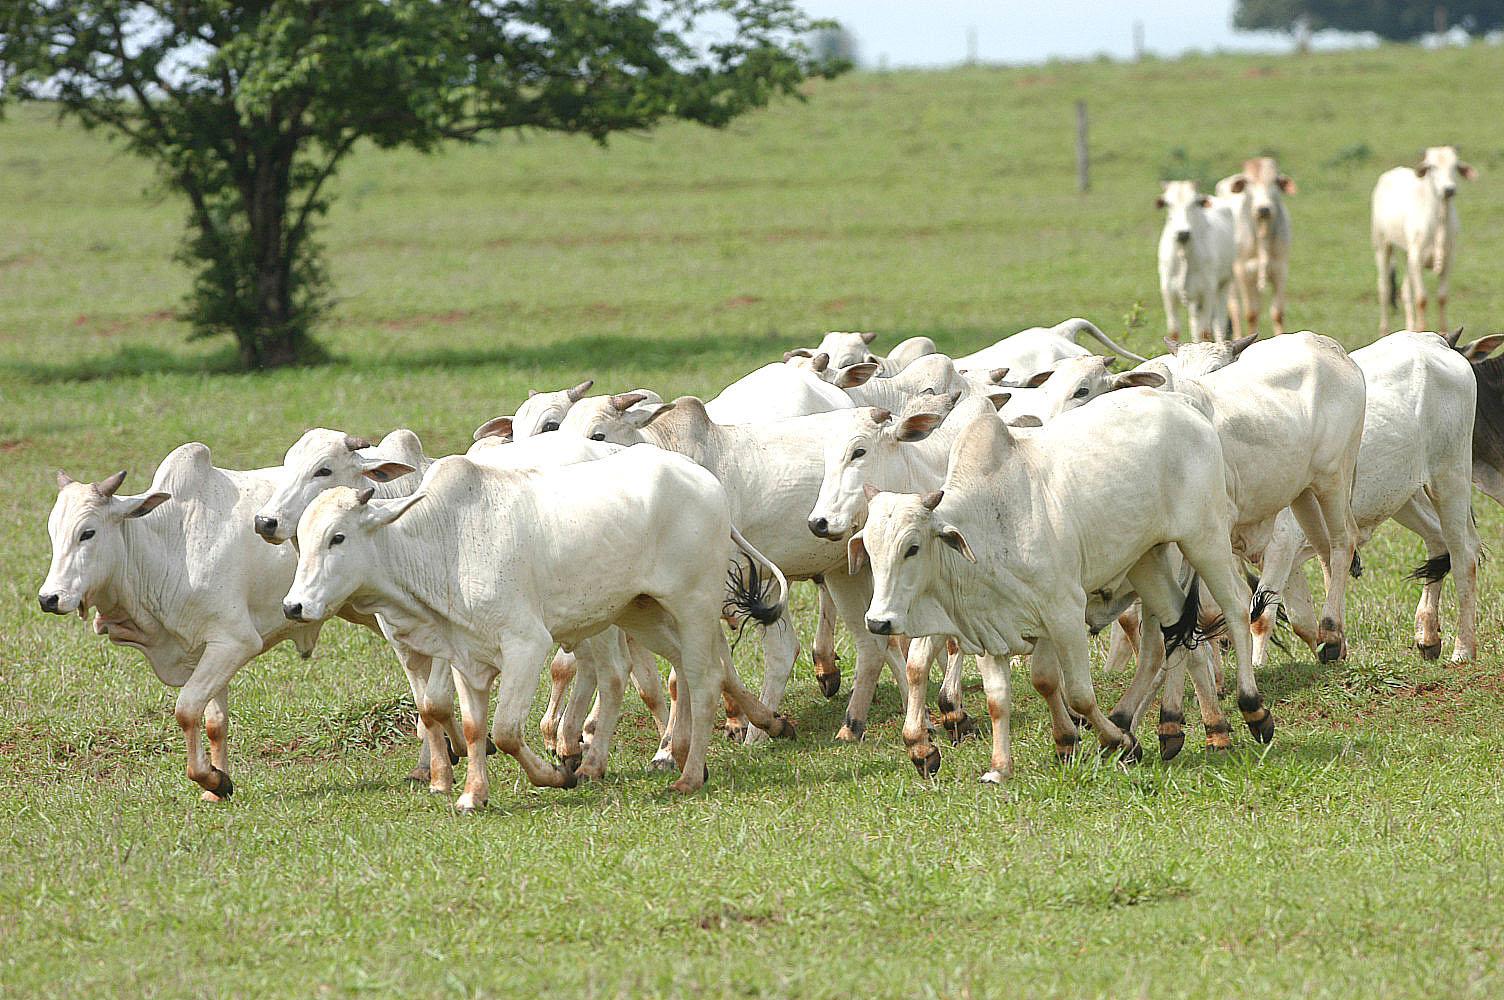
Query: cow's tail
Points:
[1188, 631]
[1394, 287]
[1433, 570]
[1077, 326]
[747, 587]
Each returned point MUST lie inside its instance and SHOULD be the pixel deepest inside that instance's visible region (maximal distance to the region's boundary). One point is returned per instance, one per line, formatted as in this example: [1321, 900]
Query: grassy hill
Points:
[1355, 856]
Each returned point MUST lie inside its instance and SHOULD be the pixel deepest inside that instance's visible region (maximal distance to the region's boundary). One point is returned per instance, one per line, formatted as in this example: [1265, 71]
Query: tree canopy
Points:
[1395, 20]
[248, 107]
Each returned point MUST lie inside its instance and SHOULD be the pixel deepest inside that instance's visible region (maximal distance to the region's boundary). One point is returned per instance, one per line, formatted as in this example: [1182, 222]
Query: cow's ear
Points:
[1243, 343]
[1422, 168]
[999, 399]
[856, 554]
[997, 375]
[1145, 380]
[578, 392]
[868, 338]
[495, 427]
[1026, 420]
[641, 414]
[1286, 184]
[1160, 202]
[1205, 202]
[819, 363]
[382, 512]
[1172, 345]
[1483, 347]
[918, 427]
[797, 353]
[139, 505]
[1467, 170]
[382, 471]
[953, 537]
[854, 375]
[1238, 185]
[1039, 379]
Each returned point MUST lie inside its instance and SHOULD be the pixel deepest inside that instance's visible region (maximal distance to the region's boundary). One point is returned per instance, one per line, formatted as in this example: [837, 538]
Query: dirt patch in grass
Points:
[450, 318]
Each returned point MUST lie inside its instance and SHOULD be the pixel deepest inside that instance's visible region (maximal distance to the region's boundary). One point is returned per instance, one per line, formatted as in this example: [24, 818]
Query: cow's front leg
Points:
[958, 725]
[663, 760]
[217, 728]
[1067, 637]
[561, 672]
[997, 681]
[1044, 674]
[219, 662]
[780, 649]
[923, 753]
[827, 667]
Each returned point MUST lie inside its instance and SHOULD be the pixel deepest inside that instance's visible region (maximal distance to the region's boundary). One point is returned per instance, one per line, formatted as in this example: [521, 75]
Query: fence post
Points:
[1083, 157]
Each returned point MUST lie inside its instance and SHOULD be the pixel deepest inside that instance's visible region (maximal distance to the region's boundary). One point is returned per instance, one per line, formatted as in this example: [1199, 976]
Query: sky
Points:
[934, 32]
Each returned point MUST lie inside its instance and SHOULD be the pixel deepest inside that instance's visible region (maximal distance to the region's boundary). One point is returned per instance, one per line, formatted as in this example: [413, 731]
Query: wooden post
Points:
[971, 46]
[1138, 41]
[1083, 158]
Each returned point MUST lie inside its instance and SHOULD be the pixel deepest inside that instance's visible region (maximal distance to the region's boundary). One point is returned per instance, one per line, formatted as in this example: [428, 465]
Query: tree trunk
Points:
[277, 337]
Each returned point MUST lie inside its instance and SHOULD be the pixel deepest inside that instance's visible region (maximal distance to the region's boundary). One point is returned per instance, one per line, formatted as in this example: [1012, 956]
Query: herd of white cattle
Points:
[1220, 255]
[1008, 502]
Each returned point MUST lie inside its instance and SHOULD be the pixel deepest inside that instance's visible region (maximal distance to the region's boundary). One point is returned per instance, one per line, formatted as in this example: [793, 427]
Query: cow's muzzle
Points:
[1183, 236]
[880, 626]
[266, 527]
[51, 603]
[1448, 192]
[820, 528]
[293, 612]
[1264, 211]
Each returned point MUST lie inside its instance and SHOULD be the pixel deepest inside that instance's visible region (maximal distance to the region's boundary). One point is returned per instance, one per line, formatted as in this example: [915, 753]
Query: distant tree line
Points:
[1395, 20]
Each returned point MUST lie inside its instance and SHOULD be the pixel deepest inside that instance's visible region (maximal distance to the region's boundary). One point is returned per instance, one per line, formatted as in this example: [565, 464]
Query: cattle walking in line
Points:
[1414, 211]
[1197, 251]
[1262, 264]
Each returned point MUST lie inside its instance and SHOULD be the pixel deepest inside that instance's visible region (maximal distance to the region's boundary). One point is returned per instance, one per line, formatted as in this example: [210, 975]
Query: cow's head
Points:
[1262, 184]
[1197, 358]
[87, 547]
[618, 419]
[542, 412]
[1181, 202]
[932, 374]
[322, 459]
[845, 349]
[865, 451]
[337, 549]
[1071, 383]
[905, 539]
[1441, 168]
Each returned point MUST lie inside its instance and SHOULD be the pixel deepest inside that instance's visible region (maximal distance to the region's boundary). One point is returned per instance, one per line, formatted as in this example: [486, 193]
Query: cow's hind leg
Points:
[997, 680]
[561, 671]
[827, 669]
[780, 650]
[217, 664]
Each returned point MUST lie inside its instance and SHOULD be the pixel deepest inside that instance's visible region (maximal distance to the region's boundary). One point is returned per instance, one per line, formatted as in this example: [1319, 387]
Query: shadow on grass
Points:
[573, 354]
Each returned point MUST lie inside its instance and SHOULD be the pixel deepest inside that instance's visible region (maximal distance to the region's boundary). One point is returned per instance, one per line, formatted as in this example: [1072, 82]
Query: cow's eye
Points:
[598, 436]
[335, 539]
[552, 425]
[912, 551]
[1081, 393]
[858, 453]
[321, 473]
[86, 534]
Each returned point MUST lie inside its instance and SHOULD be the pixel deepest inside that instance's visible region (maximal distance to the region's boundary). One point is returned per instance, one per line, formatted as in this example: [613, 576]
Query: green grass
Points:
[1356, 856]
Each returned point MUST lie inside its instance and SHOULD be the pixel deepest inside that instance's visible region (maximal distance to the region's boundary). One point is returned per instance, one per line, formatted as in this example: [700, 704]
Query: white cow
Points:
[1256, 196]
[540, 413]
[776, 391]
[1070, 383]
[177, 573]
[1414, 211]
[1197, 249]
[1022, 548]
[1029, 352]
[845, 349]
[1414, 465]
[771, 472]
[481, 567]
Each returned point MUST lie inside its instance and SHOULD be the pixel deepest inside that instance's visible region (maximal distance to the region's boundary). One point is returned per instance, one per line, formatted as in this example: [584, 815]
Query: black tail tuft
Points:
[1394, 288]
[1356, 569]
[1262, 599]
[1433, 570]
[1213, 628]
[1185, 632]
[747, 593]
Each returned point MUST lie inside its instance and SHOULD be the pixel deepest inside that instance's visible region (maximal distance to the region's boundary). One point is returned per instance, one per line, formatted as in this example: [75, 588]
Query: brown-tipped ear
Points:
[1453, 337]
[387, 471]
[1238, 185]
[1422, 168]
[1172, 345]
[63, 479]
[856, 554]
[107, 487]
[1243, 343]
[880, 415]
[869, 491]
[365, 495]
[799, 352]
[997, 375]
[999, 400]
[1026, 420]
[495, 427]
[918, 427]
[353, 443]
[578, 392]
[1160, 202]
[858, 374]
[624, 401]
[950, 536]
[1483, 347]
[1038, 380]
[819, 362]
[1286, 184]
[1140, 380]
[868, 338]
[148, 503]
[1467, 170]
[932, 500]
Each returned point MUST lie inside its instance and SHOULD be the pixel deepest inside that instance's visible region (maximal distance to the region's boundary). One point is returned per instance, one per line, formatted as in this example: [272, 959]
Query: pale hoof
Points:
[755, 736]
[467, 804]
[210, 797]
[420, 775]
[995, 778]
[663, 762]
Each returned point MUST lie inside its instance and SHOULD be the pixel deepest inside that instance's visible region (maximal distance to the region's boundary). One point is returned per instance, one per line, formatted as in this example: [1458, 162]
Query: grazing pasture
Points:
[1359, 854]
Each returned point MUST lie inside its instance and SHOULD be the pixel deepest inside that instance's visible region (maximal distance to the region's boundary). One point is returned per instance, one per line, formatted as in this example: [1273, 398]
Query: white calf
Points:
[1263, 241]
[1196, 251]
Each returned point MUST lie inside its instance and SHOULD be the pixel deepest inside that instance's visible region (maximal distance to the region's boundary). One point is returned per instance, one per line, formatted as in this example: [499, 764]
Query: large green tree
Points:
[1396, 20]
[248, 107]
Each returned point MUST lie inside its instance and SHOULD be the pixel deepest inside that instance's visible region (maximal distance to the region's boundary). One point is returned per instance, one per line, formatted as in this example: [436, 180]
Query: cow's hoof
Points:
[420, 776]
[830, 684]
[1170, 745]
[224, 789]
[454, 758]
[571, 762]
[961, 728]
[928, 765]
[491, 750]
[571, 779]
[1219, 737]
[852, 731]
[1329, 652]
[1262, 728]
[782, 728]
[467, 806]
[736, 732]
[994, 778]
[1432, 652]
[663, 762]
[1130, 753]
[1066, 746]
